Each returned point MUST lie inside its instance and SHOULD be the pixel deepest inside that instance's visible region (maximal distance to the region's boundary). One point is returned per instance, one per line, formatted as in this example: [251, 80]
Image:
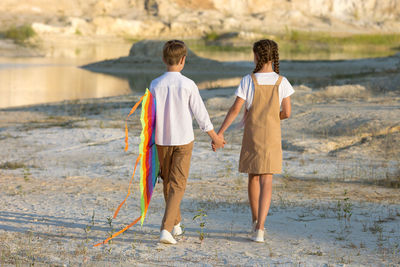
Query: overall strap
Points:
[278, 82]
[253, 77]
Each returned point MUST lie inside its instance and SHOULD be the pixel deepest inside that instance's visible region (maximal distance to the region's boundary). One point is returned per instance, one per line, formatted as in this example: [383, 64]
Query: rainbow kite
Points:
[147, 154]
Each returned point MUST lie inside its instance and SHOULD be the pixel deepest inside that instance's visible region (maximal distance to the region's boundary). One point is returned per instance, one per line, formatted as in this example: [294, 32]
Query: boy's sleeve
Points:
[199, 110]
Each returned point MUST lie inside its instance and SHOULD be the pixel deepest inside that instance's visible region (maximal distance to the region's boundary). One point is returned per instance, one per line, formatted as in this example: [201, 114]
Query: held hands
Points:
[218, 142]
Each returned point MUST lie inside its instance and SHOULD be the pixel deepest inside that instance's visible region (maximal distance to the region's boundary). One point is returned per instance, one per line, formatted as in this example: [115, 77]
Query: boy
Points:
[177, 100]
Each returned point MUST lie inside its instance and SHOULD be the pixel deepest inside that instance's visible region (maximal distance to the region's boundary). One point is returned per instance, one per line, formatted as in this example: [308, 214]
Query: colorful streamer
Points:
[148, 156]
[148, 149]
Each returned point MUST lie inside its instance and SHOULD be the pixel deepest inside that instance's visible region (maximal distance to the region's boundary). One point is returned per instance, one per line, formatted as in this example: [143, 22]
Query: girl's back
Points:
[264, 92]
[245, 89]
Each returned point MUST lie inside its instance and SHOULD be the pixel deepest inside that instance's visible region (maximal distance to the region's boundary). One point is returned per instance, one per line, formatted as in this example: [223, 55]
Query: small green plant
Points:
[20, 34]
[239, 182]
[365, 227]
[19, 190]
[283, 202]
[29, 245]
[318, 252]
[109, 221]
[27, 174]
[112, 230]
[286, 174]
[183, 229]
[344, 208]
[81, 249]
[376, 228]
[211, 36]
[88, 227]
[200, 217]
[77, 51]
[78, 32]
[294, 36]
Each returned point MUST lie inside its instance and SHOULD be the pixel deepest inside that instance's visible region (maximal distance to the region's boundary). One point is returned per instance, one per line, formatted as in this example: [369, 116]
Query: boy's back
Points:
[177, 100]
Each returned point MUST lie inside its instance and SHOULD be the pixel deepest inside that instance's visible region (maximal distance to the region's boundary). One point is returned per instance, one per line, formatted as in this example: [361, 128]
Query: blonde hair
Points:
[266, 50]
[174, 51]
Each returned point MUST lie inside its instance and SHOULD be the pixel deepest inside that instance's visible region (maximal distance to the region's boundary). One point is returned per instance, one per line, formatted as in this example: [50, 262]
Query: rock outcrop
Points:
[146, 56]
[195, 18]
[144, 62]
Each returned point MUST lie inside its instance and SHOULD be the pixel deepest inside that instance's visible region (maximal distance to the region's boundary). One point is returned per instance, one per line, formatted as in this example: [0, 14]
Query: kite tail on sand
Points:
[148, 156]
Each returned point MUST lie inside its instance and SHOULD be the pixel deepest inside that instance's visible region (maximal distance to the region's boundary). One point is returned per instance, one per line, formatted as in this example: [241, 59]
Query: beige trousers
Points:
[174, 166]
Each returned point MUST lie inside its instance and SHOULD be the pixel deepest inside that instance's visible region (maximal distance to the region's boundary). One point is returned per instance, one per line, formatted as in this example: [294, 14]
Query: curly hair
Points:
[266, 50]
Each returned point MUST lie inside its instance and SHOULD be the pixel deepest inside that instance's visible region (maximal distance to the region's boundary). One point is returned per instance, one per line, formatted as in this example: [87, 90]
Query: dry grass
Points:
[312, 189]
[69, 185]
[391, 181]
[12, 165]
[204, 4]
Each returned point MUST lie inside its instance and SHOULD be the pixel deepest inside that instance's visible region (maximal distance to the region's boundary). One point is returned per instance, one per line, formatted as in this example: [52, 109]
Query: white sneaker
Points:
[253, 229]
[167, 238]
[177, 230]
[258, 236]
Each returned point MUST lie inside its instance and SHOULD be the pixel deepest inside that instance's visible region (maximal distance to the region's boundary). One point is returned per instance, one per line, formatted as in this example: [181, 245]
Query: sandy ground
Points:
[337, 203]
[70, 173]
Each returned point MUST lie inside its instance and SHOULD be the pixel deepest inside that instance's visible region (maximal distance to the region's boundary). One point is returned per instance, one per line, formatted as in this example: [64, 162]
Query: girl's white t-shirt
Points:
[245, 89]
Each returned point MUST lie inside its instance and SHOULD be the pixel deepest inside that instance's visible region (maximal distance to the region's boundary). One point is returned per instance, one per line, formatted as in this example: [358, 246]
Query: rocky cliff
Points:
[195, 18]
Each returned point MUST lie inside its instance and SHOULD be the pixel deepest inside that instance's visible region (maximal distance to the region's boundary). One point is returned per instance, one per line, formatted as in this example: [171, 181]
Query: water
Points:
[57, 76]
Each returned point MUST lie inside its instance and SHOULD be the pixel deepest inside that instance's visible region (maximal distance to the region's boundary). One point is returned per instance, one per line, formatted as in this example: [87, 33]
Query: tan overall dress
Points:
[261, 146]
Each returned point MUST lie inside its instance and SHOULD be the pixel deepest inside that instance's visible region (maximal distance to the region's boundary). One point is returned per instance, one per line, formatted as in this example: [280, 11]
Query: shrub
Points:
[211, 36]
[12, 165]
[20, 34]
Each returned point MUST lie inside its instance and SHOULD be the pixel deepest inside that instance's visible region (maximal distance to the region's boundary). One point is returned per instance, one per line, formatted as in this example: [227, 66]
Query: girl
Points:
[264, 92]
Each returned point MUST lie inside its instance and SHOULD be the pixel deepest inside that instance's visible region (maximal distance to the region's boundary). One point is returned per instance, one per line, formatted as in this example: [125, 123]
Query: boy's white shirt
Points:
[245, 89]
[177, 101]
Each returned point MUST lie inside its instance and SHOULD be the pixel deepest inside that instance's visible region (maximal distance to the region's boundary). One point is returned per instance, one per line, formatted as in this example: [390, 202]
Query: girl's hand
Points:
[219, 142]
[213, 146]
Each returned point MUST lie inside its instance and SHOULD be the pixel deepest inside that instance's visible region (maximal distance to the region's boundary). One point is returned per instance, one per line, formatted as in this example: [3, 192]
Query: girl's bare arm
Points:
[286, 108]
[232, 114]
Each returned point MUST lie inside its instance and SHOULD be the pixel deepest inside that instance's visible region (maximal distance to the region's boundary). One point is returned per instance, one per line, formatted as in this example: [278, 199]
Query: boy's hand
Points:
[218, 142]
